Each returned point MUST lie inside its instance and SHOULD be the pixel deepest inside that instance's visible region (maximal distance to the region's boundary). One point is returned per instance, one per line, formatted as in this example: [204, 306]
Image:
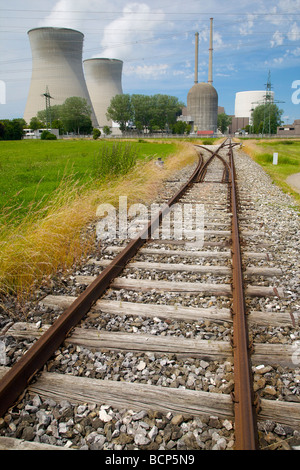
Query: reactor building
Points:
[104, 81]
[247, 101]
[202, 98]
[57, 67]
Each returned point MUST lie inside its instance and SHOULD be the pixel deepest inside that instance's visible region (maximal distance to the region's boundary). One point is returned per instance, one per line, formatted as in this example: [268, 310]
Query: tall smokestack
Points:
[210, 62]
[196, 56]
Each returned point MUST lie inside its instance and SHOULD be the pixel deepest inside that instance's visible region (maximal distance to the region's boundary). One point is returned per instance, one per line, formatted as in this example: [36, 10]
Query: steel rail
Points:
[17, 378]
[244, 408]
[246, 432]
[214, 153]
[15, 381]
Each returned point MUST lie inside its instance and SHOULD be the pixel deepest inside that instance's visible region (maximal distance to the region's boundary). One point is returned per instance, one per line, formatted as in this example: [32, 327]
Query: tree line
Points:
[147, 114]
[74, 115]
[265, 119]
[134, 113]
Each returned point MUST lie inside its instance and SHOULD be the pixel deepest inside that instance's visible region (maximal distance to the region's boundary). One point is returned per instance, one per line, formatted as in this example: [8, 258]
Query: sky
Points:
[155, 39]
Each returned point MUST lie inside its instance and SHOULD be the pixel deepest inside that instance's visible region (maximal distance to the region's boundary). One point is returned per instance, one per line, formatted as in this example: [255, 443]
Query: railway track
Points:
[183, 286]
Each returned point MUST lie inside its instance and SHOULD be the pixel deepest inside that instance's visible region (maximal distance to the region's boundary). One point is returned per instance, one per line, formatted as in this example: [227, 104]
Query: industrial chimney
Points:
[210, 60]
[196, 56]
[56, 64]
[202, 99]
[104, 81]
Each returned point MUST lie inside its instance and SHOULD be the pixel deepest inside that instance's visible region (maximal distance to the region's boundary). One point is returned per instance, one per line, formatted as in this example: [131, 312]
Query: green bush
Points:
[116, 159]
[47, 135]
[96, 134]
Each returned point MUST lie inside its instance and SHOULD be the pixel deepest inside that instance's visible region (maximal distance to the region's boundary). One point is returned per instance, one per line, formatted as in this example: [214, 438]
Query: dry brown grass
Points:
[56, 238]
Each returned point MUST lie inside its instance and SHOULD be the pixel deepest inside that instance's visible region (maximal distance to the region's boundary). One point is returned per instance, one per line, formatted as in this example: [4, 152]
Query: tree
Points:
[157, 112]
[75, 115]
[58, 124]
[2, 130]
[71, 116]
[181, 127]
[55, 112]
[165, 110]
[12, 129]
[96, 133]
[266, 118]
[143, 110]
[223, 122]
[120, 110]
[106, 130]
[35, 124]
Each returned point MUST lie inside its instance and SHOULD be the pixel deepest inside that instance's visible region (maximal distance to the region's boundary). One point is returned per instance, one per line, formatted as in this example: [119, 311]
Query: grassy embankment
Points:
[49, 193]
[288, 160]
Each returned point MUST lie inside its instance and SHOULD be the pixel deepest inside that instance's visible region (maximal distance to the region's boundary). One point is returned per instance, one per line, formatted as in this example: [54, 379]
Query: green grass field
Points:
[31, 170]
[49, 194]
[288, 160]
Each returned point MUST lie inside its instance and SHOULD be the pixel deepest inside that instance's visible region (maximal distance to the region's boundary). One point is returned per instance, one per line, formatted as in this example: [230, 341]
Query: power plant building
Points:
[202, 98]
[56, 66]
[247, 101]
[104, 81]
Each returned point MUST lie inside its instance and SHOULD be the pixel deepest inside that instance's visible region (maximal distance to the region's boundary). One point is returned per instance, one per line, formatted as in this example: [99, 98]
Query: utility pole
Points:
[48, 97]
[267, 101]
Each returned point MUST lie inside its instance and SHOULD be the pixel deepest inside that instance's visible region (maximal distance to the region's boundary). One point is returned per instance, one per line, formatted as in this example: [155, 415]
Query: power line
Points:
[293, 13]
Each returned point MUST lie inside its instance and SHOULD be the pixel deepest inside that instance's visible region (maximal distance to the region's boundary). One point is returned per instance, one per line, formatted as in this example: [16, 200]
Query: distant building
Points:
[247, 101]
[36, 134]
[289, 130]
[238, 124]
[202, 99]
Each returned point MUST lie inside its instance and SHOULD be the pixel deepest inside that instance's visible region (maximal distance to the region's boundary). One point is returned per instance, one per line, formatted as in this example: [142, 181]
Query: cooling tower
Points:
[202, 99]
[104, 81]
[56, 64]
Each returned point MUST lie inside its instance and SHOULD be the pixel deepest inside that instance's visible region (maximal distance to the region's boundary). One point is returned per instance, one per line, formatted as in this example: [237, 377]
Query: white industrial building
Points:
[246, 101]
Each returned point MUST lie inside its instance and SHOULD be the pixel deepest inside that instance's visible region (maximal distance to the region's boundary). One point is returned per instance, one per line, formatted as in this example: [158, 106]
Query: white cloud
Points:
[277, 39]
[123, 39]
[294, 32]
[278, 60]
[67, 14]
[246, 27]
[152, 72]
[296, 52]
[290, 6]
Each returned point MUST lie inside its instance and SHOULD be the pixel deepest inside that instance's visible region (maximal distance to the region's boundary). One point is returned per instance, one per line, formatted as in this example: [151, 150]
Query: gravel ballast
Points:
[102, 427]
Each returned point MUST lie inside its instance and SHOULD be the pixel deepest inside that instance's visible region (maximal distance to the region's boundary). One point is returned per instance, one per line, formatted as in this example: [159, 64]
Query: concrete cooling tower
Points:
[56, 65]
[104, 81]
[202, 98]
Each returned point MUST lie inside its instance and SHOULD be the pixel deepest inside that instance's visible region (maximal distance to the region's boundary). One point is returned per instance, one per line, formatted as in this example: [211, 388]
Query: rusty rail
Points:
[244, 409]
[15, 381]
[17, 378]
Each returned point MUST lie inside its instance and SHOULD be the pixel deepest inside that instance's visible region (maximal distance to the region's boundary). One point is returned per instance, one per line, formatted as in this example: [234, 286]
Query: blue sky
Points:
[155, 40]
